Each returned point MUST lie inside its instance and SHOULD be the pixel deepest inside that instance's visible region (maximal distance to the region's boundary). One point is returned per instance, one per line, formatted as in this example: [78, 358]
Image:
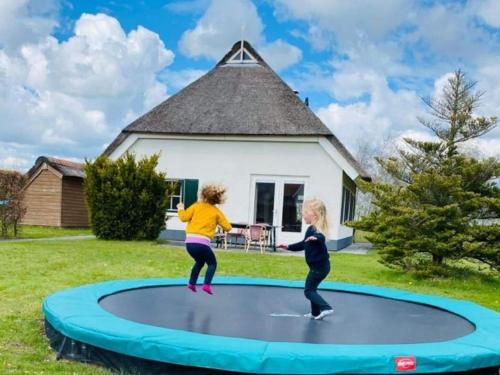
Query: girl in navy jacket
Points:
[317, 258]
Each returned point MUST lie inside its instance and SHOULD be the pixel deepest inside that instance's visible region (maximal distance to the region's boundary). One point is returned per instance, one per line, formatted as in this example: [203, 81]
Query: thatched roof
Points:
[65, 167]
[234, 99]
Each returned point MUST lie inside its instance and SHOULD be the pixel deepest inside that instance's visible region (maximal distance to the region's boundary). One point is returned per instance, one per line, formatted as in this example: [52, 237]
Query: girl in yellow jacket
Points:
[203, 218]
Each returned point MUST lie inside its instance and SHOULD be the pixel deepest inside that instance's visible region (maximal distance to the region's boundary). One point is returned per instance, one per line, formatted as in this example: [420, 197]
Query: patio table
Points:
[271, 229]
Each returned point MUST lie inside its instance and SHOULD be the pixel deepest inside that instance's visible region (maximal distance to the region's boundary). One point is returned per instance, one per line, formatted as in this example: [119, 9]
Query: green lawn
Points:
[38, 231]
[32, 270]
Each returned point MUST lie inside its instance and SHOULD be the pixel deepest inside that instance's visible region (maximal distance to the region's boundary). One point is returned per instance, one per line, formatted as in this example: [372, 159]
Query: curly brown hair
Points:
[213, 194]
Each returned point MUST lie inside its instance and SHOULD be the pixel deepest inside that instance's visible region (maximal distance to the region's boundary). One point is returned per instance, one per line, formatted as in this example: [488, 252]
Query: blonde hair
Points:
[318, 208]
[213, 194]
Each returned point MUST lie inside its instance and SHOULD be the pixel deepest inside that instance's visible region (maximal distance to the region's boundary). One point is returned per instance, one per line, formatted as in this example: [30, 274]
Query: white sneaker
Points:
[323, 313]
[309, 316]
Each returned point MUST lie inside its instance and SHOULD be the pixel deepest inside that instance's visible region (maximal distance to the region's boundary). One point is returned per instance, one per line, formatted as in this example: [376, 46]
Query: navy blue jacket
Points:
[316, 251]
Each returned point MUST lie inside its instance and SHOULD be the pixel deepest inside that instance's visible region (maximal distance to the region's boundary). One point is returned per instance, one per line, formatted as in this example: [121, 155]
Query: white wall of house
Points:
[237, 162]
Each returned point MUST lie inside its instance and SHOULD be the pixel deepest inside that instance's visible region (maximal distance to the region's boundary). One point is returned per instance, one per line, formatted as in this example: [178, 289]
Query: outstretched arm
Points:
[320, 237]
[292, 247]
[185, 215]
[223, 222]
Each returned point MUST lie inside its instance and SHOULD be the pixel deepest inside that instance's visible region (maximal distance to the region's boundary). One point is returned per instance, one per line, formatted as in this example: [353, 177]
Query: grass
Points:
[33, 270]
[38, 231]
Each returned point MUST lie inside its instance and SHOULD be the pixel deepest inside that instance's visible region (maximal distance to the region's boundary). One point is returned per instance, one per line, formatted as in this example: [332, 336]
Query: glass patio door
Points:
[291, 217]
[264, 202]
[277, 200]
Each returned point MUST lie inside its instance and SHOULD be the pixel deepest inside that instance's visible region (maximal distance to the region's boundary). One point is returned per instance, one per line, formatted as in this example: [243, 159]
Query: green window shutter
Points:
[190, 192]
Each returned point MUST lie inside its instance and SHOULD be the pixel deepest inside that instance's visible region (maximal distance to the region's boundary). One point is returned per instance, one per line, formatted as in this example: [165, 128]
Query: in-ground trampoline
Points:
[257, 326]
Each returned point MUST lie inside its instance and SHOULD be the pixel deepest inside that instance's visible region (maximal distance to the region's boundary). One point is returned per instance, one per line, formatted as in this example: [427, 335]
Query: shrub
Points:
[127, 199]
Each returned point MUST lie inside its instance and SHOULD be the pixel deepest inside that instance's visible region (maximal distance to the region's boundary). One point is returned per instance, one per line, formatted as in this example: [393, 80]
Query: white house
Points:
[242, 126]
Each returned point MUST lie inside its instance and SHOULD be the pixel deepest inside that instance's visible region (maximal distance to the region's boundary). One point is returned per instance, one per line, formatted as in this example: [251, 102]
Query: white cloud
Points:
[394, 115]
[16, 156]
[440, 83]
[449, 31]
[488, 77]
[318, 38]
[489, 11]
[478, 147]
[280, 55]
[347, 19]
[415, 134]
[177, 80]
[384, 54]
[386, 113]
[187, 6]
[26, 21]
[74, 96]
[220, 27]
[311, 77]
[429, 36]
[487, 147]
[366, 64]
[154, 95]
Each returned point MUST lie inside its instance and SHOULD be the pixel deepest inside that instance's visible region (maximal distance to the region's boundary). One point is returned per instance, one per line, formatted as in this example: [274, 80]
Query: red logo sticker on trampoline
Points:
[406, 363]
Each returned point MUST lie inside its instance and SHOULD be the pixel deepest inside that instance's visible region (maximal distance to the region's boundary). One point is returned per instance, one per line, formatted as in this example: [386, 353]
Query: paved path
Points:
[357, 248]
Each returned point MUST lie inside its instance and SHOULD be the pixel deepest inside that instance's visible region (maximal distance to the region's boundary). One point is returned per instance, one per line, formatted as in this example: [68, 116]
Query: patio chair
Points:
[256, 233]
[221, 239]
[233, 237]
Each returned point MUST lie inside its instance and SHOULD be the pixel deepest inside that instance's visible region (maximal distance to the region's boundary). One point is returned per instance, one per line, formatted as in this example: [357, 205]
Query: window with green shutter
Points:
[177, 187]
[185, 191]
[190, 192]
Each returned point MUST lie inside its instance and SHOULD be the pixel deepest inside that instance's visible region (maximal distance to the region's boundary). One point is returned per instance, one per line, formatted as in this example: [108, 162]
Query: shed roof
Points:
[65, 167]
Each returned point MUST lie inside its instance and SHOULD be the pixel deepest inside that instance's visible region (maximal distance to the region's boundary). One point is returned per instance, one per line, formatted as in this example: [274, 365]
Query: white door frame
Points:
[279, 184]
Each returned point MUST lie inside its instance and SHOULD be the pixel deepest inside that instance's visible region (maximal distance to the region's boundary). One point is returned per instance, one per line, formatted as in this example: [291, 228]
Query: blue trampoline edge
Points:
[76, 314]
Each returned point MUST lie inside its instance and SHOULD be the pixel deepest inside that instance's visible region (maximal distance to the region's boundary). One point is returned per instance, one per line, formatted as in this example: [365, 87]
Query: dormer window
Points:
[242, 56]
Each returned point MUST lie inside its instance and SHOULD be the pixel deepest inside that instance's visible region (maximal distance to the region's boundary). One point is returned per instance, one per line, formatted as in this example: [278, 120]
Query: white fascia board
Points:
[123, 147]
[338, 158]
[324, 143]
[134, 137]
[236, 138]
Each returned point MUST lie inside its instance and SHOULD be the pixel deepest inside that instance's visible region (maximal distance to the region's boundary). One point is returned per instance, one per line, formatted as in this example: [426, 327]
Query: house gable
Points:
[237, 99]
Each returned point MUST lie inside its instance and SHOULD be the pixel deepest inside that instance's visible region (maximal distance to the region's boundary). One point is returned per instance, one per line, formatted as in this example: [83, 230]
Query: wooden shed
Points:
[54, 194]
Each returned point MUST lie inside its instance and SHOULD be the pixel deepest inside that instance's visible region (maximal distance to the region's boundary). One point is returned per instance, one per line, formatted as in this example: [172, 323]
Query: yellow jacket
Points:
[203, 219]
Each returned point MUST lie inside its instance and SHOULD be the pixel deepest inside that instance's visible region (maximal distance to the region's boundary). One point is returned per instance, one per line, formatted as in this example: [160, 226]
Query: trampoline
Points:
[257, 326]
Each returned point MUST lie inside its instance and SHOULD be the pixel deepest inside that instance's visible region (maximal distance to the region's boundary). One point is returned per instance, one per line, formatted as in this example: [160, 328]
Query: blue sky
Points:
[74, 73]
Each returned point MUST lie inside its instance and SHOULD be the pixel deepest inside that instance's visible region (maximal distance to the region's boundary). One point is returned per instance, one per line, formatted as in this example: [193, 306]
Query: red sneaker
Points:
[192, 287]
[207, 288]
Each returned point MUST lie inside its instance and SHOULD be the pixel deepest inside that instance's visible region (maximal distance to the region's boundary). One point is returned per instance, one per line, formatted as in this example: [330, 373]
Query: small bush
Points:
[12, 208]
[127, 199]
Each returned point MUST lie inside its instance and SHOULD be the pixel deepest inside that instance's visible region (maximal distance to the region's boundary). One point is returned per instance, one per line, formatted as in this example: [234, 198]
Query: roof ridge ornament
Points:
[242, 32]
[242, 56]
